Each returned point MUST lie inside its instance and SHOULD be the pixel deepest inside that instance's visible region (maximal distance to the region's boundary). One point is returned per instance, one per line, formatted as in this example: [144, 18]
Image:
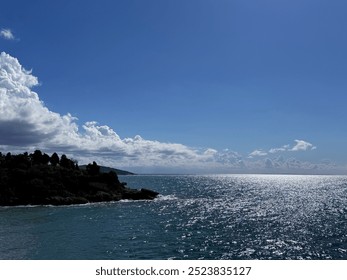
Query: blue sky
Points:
[233, 77]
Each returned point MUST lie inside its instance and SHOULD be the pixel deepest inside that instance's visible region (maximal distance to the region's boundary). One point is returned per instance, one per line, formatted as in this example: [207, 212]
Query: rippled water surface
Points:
[197, 217]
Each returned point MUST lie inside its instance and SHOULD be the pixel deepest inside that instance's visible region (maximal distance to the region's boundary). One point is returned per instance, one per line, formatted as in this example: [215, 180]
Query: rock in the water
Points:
[139, 194]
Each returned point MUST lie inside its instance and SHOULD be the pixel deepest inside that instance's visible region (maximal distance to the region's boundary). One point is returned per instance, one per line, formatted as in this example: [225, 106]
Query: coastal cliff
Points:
[40, 179]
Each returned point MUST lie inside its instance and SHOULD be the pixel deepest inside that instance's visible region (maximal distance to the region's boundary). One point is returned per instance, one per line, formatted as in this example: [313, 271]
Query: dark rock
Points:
[142, 194]
[59, 200]
[149, 193]
[102, 196]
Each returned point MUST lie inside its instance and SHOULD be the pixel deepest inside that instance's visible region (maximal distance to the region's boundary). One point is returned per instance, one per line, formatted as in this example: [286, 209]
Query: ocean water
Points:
[196, 217]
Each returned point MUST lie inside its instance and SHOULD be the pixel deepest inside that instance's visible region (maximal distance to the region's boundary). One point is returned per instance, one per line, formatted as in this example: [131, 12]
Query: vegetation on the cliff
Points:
[105, 169]
[40, 179]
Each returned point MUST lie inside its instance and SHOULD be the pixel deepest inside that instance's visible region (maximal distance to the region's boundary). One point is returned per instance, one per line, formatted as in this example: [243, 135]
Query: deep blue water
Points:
[198, 217]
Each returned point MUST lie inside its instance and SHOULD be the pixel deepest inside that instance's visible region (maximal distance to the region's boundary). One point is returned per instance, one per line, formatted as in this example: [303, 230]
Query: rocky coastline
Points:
[40, 179]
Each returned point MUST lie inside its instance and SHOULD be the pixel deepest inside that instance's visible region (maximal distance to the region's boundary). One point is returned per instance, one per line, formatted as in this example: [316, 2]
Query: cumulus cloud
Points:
[7, 34]
[23, 116]
[26, 122]
[302, 145]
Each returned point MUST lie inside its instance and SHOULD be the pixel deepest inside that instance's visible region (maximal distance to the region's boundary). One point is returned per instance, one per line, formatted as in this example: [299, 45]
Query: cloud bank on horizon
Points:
[27, 124]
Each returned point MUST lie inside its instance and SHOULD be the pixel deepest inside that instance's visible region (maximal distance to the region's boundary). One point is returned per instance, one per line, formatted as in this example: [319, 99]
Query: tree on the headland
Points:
[8, 156]
[93, 169]
[66, 162]
[36, 157]
[45, 159]
[75, 162]
[54, 159]
[23, 161]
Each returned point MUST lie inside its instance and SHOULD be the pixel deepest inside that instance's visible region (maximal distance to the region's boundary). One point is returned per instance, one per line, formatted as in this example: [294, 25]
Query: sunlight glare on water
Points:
[196, 217]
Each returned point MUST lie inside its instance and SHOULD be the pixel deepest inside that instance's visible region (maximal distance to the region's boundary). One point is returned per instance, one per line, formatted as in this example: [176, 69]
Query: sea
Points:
[239, 217]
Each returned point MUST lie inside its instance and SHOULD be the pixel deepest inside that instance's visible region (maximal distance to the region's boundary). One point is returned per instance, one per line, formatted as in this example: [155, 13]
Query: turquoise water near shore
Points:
[196, 217]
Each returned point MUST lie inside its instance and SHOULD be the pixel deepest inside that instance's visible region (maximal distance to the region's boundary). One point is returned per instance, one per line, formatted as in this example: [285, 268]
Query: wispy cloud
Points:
[257, 153]
[7, 34]
[281, 149]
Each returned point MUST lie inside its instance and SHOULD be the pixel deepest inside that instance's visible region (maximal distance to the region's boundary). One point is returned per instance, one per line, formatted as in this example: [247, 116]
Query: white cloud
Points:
[281, 149]
[7, 34]
[210, 152]
[257, 153]
[302, 145]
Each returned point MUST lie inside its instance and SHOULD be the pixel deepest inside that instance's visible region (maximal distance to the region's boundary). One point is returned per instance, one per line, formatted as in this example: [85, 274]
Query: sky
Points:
[193, 86]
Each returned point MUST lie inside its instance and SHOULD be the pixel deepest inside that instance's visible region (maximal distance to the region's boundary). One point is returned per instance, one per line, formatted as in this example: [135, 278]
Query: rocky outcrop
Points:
[28, 180]
[139, 194]
[102, 196]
